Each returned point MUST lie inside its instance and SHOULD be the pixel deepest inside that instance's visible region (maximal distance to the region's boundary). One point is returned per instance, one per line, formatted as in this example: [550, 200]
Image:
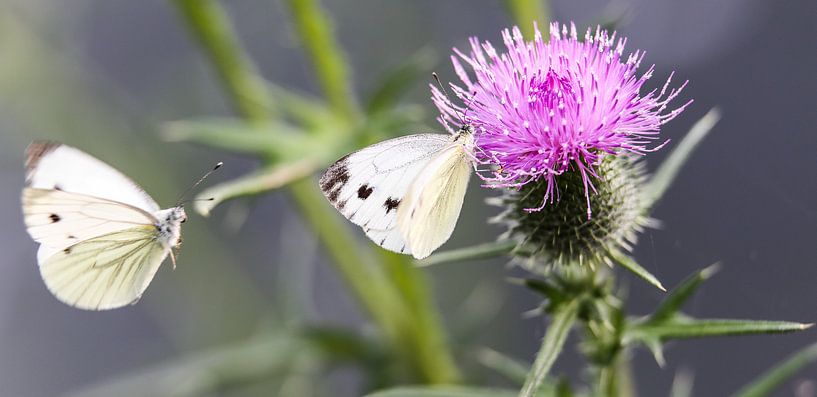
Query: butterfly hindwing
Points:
[107, 271]
[431, 207]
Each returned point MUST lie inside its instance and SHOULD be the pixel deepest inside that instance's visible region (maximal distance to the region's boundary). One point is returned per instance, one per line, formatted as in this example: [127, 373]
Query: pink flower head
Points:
[545, 108]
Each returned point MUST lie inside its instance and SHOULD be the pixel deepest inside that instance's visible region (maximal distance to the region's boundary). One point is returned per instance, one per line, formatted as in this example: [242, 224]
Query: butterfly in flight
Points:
[102, 238]
[407, 192]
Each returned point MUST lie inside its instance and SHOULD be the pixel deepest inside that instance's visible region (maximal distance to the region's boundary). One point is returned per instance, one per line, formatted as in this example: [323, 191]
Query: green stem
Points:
[409, 323]
[525, 12]
[315, 30]
[562, 321]
[429, 346]
[208, 22]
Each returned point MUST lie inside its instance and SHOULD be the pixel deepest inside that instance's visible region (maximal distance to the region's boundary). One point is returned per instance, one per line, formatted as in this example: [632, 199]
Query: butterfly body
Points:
[102, 238]
[406, 193]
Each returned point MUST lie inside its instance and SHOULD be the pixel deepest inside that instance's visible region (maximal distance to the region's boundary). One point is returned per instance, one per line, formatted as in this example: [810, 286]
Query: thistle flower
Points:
[543, 109]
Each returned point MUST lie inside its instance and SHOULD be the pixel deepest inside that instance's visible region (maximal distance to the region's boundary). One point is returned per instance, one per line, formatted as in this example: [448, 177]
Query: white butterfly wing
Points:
[428, 214]
[58, 219]
[54, 166]
[107, 271]
[368, 186]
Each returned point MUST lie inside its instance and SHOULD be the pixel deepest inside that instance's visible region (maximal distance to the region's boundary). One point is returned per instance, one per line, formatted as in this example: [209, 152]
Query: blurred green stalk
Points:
[525, 12]
[398, 301]
[316, 32]
[212, 28]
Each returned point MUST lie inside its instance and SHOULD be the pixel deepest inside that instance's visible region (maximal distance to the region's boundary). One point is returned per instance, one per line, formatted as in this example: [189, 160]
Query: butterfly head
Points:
[168, 225]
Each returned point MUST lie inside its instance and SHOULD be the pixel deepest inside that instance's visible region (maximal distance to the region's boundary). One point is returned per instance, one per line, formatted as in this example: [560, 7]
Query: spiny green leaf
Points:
[681, 328]
[273, 138]
[563, 318]
[510, 368]
[545, 287]
[675, 299]
[481, 251]
[424, 391]
[780, 373]
[258, 182]
[398, 81]
[657, 350]
[669, 169]
[628, 263]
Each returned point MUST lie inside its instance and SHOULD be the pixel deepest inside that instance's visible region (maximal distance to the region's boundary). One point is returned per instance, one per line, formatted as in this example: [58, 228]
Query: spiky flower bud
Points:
[561, 233]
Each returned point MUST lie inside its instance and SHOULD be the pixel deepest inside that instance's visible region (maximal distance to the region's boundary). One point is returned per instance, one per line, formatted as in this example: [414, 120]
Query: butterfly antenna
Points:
[442, 87]
[198, 182]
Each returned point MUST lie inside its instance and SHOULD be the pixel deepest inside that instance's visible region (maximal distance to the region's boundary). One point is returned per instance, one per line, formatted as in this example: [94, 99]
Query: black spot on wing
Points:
[334, 179]
[58, 188]
[391, 203]
[67, 250]
[364, 191]
[54, 218]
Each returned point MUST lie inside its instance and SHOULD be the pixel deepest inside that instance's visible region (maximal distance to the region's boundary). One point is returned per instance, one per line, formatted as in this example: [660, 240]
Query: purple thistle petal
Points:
[543, 109]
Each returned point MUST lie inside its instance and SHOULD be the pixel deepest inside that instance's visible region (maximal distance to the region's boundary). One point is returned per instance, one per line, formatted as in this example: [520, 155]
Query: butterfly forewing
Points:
[54, 166]
[58, 219]
[367, 186]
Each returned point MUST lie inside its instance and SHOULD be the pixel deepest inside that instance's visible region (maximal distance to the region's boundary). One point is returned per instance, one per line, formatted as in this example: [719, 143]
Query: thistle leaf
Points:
[480, 251]
[684, 328]
[679, 295]
[780, 373]
[258, 182]
[554, 294]
[668, 170]
[682, 384]
[633, 266]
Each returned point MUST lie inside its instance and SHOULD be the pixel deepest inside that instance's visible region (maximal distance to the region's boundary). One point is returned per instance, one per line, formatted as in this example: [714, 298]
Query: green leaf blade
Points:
[780, 373]
[679, 295]
[683, 328]
[669, 169]
[628, 263]
[480, 251]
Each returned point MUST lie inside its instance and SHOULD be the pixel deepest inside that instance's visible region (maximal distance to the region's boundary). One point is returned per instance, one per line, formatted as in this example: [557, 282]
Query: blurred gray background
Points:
[105, 75]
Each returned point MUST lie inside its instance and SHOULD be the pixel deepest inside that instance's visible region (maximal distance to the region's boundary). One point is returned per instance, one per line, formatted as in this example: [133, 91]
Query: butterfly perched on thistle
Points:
[102, 238]
[407, 192]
